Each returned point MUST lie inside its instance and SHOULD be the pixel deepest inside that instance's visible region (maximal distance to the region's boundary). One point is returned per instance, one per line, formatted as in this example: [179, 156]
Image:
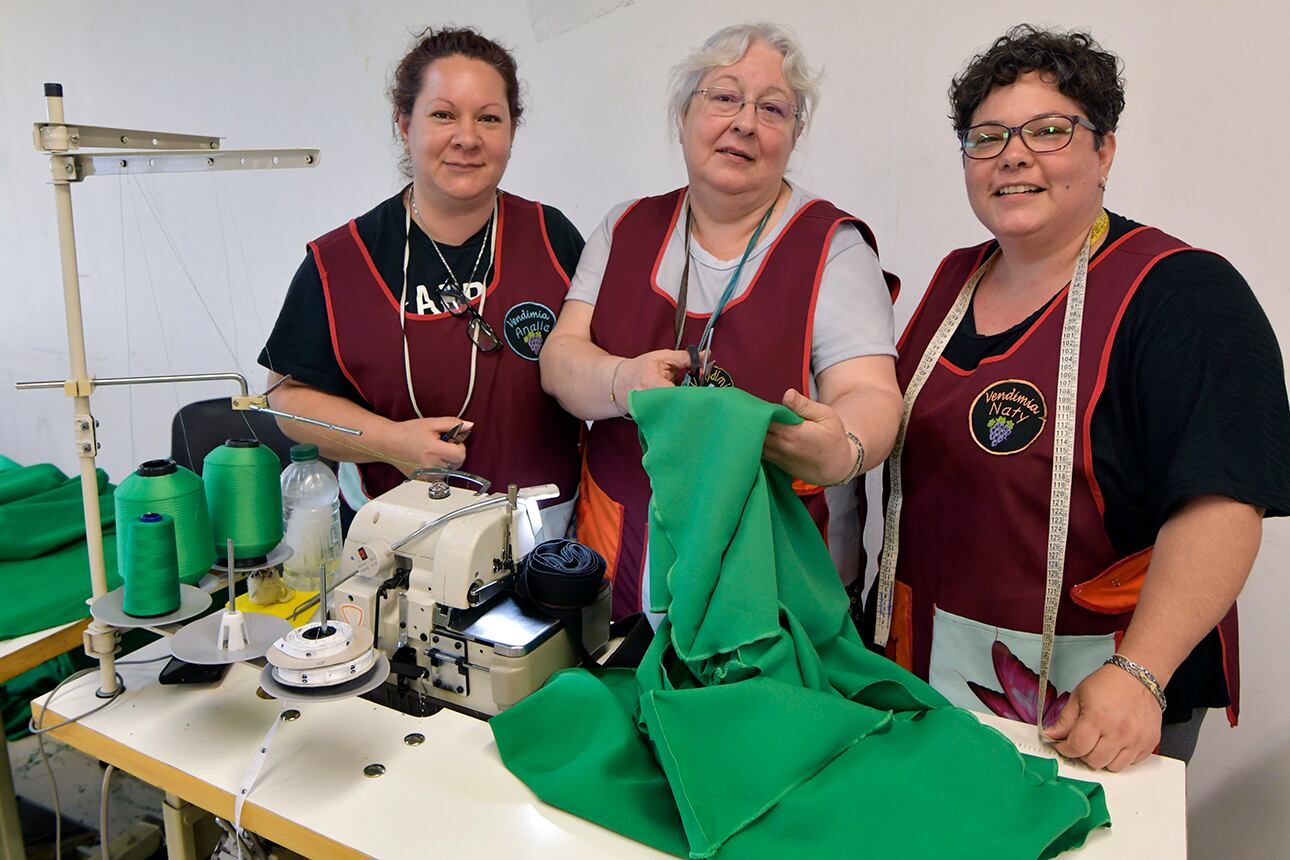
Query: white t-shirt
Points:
[853, 318]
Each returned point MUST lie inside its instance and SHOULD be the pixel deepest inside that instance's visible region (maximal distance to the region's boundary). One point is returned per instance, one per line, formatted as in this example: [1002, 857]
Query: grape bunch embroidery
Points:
[1000, 429]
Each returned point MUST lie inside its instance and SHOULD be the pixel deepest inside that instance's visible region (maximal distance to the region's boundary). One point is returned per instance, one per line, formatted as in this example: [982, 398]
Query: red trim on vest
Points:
[927, 293]
[331, 319]
[662, 250]
[1056, 300]
[367, 258]
[815, 298]
[1233, 683]
[629, 208]
[1103, 365]
[546, 239]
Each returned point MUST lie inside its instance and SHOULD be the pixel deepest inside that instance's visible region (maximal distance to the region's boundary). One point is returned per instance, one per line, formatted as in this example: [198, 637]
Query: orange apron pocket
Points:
[600, 521]
[1115, 590]
[900, 641]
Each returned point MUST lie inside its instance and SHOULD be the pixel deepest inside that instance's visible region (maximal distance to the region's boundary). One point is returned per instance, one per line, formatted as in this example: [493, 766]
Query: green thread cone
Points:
[244, 497]
[163, 487]
[151, 569]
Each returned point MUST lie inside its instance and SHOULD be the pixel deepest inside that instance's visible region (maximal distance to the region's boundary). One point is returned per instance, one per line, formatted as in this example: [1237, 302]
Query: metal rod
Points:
[303, 420]
[232, 578]
[322, 594]
[79, 376]
[496, 501]
[143, 380]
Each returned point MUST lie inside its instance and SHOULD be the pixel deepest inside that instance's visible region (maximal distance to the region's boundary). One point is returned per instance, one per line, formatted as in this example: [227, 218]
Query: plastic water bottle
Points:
[310, 519]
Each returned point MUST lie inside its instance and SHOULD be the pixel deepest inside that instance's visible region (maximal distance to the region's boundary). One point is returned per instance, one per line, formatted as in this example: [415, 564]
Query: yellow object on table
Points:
[280, 610]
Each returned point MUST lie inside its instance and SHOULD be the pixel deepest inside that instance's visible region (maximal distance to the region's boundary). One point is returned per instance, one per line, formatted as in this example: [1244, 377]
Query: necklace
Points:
[452, 276]
[704, 346]
[491, 243]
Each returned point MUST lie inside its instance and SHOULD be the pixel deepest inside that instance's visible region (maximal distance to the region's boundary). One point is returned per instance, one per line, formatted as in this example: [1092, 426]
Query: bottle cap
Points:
[304, 453]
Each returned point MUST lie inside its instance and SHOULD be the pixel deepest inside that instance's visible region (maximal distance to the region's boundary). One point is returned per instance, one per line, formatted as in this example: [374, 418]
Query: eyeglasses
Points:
[774, 113]
[1047, 133]
[481, 334]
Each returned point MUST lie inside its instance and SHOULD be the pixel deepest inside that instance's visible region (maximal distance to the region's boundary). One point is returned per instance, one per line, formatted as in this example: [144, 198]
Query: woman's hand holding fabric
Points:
[1111, 721]
[817, 450]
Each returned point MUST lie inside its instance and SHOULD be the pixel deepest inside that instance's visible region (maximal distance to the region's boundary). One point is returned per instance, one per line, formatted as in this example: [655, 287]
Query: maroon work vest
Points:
[977, 477]
[521, 436]
[763, 339]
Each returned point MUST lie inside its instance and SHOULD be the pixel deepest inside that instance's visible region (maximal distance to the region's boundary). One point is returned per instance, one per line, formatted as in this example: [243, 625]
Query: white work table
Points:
[450, 795]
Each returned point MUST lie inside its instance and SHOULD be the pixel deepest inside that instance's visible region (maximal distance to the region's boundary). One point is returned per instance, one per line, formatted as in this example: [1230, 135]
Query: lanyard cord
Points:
[705, 341]
[491, 227]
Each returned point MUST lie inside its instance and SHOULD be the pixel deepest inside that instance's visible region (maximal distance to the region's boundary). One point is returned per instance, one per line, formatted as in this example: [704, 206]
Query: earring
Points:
[1102, 183]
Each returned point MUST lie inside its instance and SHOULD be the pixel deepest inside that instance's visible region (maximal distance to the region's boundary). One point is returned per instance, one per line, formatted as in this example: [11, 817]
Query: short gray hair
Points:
[726, 47]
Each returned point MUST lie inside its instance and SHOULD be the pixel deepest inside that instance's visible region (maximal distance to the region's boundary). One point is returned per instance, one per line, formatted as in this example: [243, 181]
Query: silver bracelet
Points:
[613, 398]
[1143, 674]
[857, 466]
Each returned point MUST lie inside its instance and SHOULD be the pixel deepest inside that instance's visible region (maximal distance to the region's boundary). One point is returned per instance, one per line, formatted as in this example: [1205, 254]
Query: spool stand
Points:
[230, 636]
[163, 153]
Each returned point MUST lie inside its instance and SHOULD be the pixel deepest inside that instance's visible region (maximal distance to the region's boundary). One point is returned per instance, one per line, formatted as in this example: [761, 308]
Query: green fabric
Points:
[758, 725]
[44, 562]
[26, 481]
[44, 522]
[6, 464]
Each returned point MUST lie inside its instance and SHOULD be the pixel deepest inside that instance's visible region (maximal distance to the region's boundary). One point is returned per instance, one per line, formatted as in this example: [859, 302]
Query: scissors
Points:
[451, 435]
[698, 373]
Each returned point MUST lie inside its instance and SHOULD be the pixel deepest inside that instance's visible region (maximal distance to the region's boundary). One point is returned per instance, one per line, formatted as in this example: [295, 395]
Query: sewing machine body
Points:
[452, 630]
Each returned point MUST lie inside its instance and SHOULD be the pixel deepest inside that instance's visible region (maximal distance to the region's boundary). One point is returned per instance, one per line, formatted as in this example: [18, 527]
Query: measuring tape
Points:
[1063, 455]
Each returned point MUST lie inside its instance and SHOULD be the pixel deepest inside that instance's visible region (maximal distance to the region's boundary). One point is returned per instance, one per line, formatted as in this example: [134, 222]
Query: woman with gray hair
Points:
[741, 278]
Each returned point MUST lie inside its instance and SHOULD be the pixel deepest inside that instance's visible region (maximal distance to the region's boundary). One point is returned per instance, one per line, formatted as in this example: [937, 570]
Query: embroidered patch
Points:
[1007, 416]
[526, 326]
[719, 377]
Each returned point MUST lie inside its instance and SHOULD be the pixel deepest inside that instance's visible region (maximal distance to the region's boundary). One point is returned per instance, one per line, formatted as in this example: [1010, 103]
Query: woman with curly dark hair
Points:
[421, 321]
[1074, 503]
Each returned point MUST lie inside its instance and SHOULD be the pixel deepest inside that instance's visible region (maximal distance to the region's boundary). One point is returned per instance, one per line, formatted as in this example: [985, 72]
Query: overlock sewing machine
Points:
[428, 567]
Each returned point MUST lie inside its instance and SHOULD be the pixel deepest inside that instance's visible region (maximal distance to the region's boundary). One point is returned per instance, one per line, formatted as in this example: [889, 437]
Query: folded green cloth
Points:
[47, 521]
[26, 481]
[758, 725]
[6, 464]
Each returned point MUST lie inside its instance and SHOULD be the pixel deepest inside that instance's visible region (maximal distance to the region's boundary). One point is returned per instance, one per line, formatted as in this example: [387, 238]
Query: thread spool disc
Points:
[276, 556]
[367, 682]
[198, 642]
[110, 608]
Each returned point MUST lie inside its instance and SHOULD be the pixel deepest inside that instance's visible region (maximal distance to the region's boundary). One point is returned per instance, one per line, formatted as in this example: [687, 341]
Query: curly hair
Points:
[1073, 62]
[431, 45]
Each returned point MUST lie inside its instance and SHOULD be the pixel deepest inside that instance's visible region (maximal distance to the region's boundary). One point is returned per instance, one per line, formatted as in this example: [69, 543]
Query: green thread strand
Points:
[245, 498]
[178, 494]
[151, 571]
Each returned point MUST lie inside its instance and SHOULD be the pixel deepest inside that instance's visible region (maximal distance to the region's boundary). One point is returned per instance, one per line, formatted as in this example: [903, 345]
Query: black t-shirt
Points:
[300, 343]
[1194, 404]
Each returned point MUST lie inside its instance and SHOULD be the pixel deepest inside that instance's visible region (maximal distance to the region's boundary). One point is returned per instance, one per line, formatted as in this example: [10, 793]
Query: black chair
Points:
[199, 428]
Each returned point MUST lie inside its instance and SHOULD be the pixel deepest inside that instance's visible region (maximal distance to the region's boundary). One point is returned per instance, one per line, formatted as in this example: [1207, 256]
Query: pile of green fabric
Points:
[44, 564]
[757, 724]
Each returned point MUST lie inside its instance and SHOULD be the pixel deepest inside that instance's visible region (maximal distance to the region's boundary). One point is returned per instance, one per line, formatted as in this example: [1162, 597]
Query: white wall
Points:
[1202, 152]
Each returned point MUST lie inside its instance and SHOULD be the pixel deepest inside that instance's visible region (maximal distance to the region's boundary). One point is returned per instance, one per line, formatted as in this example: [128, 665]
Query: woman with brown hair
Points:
[1072, 508]
[421, 321]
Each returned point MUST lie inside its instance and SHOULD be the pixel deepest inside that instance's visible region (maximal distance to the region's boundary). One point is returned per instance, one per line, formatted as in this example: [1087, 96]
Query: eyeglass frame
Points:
[1016, 131]
[795, 113]
[475, 321]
